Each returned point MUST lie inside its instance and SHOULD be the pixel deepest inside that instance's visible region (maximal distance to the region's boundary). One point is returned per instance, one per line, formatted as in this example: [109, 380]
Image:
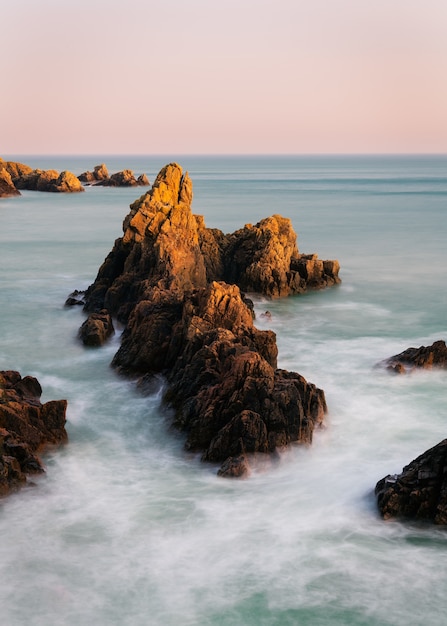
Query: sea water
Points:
[125, 528]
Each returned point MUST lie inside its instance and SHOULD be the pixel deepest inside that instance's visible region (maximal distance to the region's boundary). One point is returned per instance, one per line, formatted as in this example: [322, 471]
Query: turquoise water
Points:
[125, 528]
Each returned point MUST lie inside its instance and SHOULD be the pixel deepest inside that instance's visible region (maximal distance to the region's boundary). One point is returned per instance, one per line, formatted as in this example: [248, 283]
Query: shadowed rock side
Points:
[167, 280]
[26, 427]
[424, 357]
[420, 491]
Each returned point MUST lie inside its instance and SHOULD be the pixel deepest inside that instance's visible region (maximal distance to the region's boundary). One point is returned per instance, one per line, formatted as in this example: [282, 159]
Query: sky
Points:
[223, 77]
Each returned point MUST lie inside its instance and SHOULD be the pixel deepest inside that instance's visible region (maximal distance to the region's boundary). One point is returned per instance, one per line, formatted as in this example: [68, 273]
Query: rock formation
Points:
[125, 178]
[100, 172]
[50, 180]
[27, 427]
[96, 329]
[100, 176]
[424, 357]
[167, 280]
[420, 491]
[7, 187]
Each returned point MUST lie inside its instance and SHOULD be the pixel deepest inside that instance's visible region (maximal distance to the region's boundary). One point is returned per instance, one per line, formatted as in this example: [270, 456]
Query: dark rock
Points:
[96, 329]
[27, 427]
[424, 357]
[234, 467]
[420, 491]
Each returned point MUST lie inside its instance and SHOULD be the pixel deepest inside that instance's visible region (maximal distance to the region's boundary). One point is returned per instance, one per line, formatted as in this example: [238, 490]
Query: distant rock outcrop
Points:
[167, 280]
[100, 177]
[50, 180]
[126, 178]
[7, 187]
[420, 491]
[24, 177]
[27, 427]
[424, 357]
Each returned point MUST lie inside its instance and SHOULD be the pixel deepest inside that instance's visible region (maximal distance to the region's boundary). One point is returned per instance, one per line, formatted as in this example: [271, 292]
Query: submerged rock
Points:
[26, 428]
[175, 284]
[420, 491]
[424, 357]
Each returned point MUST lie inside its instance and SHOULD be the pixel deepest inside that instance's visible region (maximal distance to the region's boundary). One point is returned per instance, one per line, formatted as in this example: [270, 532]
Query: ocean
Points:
[125, 528]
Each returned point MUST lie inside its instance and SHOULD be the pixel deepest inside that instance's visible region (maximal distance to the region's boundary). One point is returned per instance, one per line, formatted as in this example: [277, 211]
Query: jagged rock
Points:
[7, 187]
[96, 329]
[66, 183]
[50, 180]
[223, 384]
[76, 298]
[424, 357]
[100, 172]
[143, 181]
[26, 427]
[164, 244]
[420, 491]
[15, 169]
[126, 178]
[264, 258]
[165, 279]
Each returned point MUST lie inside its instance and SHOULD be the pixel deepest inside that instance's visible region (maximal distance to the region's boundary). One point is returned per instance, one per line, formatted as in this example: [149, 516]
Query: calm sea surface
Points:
[127, 529]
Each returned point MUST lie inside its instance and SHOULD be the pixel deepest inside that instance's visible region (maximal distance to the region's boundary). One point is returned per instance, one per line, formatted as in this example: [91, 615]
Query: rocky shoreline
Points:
[176, 286]
[27, 428]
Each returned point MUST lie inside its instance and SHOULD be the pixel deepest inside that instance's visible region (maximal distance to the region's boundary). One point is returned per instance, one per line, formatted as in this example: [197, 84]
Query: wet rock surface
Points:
[424, 357]
[27, 427]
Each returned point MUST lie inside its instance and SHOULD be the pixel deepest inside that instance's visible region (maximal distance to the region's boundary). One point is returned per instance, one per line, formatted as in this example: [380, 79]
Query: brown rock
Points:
[100, 172]
[420, 491]
[15, 169]
[165, 279]
[96, 329]
[125, 178]
[50, 181]
[424, 357]
[26, 427]
[7, 187]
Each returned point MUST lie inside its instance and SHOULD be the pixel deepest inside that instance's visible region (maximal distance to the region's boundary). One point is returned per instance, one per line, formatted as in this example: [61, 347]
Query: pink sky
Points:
[234, 76]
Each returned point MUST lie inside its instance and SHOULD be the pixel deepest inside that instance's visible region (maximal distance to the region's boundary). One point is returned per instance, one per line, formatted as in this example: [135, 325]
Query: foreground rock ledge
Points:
[175, 284]
[27, 427]
[420, 491]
